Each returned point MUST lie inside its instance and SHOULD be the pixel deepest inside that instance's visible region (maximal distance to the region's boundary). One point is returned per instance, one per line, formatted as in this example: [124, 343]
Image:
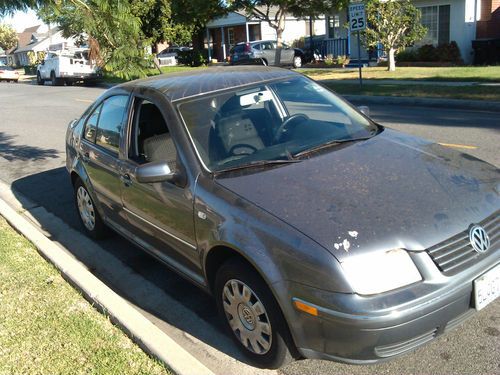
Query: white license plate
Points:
[487, 288]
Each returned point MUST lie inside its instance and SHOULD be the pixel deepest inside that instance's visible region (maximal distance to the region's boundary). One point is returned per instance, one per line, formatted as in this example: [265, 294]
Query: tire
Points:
[87, 212]
[258, 318]
[55, 81]
[39, 80]
[297, 62]
[264, 62]
[69, 83]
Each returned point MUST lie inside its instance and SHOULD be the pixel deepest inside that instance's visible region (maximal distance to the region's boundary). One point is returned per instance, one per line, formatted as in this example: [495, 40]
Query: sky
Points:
[22, 20]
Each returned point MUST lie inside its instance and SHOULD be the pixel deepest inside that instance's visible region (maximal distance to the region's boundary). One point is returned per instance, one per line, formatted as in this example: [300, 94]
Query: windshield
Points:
[269, 122]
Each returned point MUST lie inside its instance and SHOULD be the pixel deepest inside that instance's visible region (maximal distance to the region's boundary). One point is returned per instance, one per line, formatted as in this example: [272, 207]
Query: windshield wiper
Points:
[256, 164]
[321, 146]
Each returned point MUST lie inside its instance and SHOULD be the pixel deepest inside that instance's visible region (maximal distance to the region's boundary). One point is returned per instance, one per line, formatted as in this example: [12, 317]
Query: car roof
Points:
[188, 84]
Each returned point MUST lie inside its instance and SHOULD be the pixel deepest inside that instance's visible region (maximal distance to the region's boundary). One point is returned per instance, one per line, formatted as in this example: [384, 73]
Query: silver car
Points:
[320, 233]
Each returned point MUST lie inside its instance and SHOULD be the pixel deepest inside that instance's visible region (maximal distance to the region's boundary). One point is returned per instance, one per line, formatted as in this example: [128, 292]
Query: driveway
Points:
[33, 122]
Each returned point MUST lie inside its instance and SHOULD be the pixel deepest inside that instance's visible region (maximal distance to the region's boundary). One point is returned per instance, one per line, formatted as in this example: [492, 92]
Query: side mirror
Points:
[157, 171]
[364, 110]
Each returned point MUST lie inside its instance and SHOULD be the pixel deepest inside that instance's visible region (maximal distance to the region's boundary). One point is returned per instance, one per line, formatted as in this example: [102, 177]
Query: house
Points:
[23, 38]
[225, 32]
[40, 42]
[461, 21]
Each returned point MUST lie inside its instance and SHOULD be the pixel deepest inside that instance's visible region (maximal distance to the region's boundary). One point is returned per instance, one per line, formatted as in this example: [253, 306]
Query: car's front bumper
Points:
[357, 329]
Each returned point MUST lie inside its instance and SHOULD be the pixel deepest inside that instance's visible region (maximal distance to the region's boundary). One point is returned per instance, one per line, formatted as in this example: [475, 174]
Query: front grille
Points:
[456, 253]
[401, 347]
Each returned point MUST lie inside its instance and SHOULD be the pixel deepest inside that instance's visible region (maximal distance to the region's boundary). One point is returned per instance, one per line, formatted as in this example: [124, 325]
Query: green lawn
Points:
[424, 91]
[466, 73]
[46, 327]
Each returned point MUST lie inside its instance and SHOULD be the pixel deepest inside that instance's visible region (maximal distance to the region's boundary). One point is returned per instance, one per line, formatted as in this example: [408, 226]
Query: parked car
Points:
[173, 50]
[263, 52]
[67, 67]
[8, 73]
[320, 233]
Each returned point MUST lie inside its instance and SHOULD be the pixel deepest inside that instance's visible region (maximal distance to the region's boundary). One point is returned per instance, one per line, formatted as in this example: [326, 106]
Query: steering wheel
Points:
[246, 149]
[282, 129]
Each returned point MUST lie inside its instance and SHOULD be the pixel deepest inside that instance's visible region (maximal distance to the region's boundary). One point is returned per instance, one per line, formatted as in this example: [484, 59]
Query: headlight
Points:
[380, 272]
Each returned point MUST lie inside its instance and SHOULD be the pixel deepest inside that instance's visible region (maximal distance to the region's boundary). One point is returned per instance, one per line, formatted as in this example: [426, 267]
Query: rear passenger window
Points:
[111, 122]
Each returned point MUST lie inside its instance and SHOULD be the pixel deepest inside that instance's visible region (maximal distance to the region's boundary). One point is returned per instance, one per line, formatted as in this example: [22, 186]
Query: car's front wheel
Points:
[252, 315]
[89, 217]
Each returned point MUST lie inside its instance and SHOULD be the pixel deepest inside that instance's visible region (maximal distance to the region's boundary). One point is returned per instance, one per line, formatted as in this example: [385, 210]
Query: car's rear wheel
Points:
[89, 217]
[297, 62]
[39, 80]
[252, 315]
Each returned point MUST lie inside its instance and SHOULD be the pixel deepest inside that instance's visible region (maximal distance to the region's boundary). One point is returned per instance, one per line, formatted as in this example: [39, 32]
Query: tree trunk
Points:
[279, 46]
[392, 60]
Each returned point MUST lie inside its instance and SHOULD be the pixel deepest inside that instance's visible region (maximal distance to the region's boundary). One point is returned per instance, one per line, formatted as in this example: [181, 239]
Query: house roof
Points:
[24, 37]
[36, 39]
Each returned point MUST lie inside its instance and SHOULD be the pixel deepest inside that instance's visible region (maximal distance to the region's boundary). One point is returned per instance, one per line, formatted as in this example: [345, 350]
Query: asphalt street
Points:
[33, 122]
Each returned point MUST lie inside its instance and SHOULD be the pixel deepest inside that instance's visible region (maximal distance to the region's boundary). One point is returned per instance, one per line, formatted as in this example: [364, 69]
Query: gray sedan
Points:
[320, 233]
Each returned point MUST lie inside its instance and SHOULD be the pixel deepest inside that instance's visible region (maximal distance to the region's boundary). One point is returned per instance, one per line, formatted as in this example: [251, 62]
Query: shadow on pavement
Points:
[11, 151]
[159, 291]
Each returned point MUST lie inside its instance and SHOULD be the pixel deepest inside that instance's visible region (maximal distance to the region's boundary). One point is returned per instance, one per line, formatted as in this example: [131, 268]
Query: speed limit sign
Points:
[357, 17]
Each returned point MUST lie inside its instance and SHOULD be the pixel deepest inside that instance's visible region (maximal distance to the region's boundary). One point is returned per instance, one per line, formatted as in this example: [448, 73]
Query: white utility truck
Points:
[67, 66]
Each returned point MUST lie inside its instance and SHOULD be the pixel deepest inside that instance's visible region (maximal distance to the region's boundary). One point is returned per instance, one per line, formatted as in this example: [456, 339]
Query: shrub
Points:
[192, 57]
[342, 60]
[329, 60]
[407, 56]
[427, 53]
[449, 52]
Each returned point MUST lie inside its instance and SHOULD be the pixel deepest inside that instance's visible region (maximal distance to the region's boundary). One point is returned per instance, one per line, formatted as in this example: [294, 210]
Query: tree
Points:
[8, 37]
[393, 23]
[274, 12]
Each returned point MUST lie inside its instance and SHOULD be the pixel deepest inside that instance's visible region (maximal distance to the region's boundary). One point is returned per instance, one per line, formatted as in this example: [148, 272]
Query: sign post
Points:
[357, 22]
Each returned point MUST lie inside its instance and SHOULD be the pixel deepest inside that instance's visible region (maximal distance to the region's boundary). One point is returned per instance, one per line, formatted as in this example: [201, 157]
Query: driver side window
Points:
[151, 139]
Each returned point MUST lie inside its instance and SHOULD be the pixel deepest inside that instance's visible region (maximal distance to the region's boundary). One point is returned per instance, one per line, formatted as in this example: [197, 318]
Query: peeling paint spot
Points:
[353, 234]
[337, 245]
[347, 245]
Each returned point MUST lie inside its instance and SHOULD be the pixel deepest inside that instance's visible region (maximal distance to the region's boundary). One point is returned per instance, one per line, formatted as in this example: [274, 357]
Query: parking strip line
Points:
[142, 331]
[452, 145]
[84, 100]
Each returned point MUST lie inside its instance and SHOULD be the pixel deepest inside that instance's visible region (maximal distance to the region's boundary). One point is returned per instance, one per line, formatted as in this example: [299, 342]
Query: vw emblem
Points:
[479, 239]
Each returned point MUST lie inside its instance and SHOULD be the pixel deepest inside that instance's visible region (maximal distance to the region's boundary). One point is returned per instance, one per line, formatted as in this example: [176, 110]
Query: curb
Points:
[144, 333]
[478, 105]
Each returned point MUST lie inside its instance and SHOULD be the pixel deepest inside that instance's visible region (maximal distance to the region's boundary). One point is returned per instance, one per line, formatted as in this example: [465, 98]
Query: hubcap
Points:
[85, 208]
[247, 316]
[298, 62]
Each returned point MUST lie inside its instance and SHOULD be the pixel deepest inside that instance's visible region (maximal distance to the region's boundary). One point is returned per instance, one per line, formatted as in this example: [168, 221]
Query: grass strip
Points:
[488, 74]
[490, 93]
[47, 327]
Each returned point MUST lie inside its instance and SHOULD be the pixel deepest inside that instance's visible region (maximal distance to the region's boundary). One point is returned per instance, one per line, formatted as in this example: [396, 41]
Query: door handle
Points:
[86, 157]
[126, 179]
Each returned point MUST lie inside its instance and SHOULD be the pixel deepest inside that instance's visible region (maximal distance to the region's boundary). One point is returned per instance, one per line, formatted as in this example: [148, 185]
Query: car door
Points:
[160, 215]
[268, 52]
[287, 54]
[99, 151]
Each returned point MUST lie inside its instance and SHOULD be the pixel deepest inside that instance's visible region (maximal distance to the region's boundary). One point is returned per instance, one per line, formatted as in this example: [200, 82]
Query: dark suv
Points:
[264, 52]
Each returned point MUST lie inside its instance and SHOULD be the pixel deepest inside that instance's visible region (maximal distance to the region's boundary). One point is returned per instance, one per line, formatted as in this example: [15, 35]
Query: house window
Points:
[437, 21]
[333, 26]
[230, 36]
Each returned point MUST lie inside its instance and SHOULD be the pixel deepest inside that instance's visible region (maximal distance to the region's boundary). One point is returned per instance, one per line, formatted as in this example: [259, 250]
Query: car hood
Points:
[391, 191]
